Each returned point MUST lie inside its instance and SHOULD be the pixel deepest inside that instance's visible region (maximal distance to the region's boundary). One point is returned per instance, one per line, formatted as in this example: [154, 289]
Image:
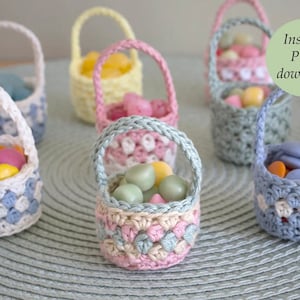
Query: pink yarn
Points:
[155, 232]
[129, 233]
[179, 229]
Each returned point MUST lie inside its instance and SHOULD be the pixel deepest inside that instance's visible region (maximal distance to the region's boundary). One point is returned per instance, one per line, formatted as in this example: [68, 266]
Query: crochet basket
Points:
[82, 90]
[20, 195]
[252, 69]
[146, 236]
[276, 200]
[233, 129]
[34, 107]
[135, 146]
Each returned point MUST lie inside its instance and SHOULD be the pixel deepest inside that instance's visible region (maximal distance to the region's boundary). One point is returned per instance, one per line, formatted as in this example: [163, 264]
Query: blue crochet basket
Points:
[33, 107]
[276, 200]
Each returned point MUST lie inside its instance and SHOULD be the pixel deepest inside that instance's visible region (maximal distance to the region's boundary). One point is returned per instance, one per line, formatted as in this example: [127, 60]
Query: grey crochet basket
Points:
[276, 200]
[146, 236]
[233, 129]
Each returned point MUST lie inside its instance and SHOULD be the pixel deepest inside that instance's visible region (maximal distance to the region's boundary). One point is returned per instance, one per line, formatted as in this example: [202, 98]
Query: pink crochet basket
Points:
[136, 146]
[252, 69]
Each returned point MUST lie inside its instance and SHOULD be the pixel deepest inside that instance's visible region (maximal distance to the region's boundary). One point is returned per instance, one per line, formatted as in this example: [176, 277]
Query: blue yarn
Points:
[13, 216]
[29, 188]
[293, 199]
[190, 232]
[101, 230]
[169, 241]
[9, 199]
[143, 243]
[117, 237]
[33, 207]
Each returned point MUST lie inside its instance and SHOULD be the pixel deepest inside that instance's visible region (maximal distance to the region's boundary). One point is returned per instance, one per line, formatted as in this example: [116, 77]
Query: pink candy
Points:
[12, 157]
[234, 100]
[249, 51]
[137, 105]
[159, 108]
[237, 48]
[157, 199]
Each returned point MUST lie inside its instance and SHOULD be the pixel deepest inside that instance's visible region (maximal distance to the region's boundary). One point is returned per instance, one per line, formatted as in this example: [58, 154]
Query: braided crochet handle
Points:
[256, 6]
[36, 47]
[214, 81]
[24, 131]
[99, 11]
[139, 45]
[126, 124]
[260, 125]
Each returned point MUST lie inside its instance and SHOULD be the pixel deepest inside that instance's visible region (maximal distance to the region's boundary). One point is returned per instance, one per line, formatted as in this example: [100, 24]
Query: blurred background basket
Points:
[251, 69]
[233, 129]
[136, 146]
[146, 236]
[20, 195]
[82, 90]
[276, 199]
[33, 107]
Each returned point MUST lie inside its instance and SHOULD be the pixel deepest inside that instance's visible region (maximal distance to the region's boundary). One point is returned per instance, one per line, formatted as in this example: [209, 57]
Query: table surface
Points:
[59, 258]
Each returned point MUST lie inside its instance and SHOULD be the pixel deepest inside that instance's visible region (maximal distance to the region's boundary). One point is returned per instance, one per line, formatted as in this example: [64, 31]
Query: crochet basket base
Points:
[83, 94]
[277, 202]
[233, 130]
[145, 241]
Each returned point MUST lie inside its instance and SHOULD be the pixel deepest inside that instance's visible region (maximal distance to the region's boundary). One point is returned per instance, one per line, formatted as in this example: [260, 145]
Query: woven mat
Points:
[58, 258]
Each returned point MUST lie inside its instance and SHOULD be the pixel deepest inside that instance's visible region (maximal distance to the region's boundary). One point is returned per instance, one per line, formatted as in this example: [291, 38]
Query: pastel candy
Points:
[157, 199]
[110, 73]
[7, 171]
[162, 170]
[291, 162]
[277, 168]
[89, 62]
[147, 195]
[142, 175]
[243, 39]
[291, 148]
[229, 55]
[12, 157]
[236, 91]
[294, 174]
[226, 41]
[253, 96]
[173, 188]
[130, 98]
[129, 193]
[249, 51]
[237, 48]
[118, 61]
[234, 100]
[140, 107]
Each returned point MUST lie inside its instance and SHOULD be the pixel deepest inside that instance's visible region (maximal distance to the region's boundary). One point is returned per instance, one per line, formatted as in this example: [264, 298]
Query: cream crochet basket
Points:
[20, 195]
[82, 89]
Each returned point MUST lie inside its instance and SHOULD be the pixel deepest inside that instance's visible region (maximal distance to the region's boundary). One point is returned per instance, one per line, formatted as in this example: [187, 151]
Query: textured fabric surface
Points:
[59, 257]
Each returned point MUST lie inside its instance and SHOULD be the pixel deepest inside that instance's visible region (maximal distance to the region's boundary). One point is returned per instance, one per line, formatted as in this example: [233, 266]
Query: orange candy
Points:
[278, 168]
[162, 170]
[253, 96]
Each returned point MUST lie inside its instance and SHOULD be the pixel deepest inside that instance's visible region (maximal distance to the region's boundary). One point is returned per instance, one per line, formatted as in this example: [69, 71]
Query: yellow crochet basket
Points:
[82, 89]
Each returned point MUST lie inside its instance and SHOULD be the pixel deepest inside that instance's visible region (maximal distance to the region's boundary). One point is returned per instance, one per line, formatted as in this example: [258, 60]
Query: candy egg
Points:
[110, 73]
[236, 91]
[89, 61]
[226, 41]
[147, 195]
[236, 48]
[229, 54]
[157, 199]
[19, 148]
[118, 61]
[7, 171]
[290, 161]
[140, 107]
[130, 98]
[159, 108]
[243, 39]
[277, 168]
[173, 188]
[234, 100]
[249, 51]
[12, 157]
[123, 181]
[294, 174]
[162, 170]
[116, 113]
[266, 90]
[291, 148]
[129, 193]
[253, 96]
[142, 175]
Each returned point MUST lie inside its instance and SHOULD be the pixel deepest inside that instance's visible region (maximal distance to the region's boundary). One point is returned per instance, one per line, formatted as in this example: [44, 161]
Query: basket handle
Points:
[24, 131]
[99, 11]
[126, 124]
[260, 125]
[39, 64]
[139, 45]
[214, 81]
[256, 6]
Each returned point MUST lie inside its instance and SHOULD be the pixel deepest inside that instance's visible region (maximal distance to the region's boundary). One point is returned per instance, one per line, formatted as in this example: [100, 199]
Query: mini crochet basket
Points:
[252, 69]
[146, 236]
[276, 200]
[20, 195]
[233, 129]
[34, 107]
[82, 90]
[135, 146]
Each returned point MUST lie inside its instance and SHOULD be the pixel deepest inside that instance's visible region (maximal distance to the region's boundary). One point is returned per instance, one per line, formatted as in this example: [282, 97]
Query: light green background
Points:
[280, 57]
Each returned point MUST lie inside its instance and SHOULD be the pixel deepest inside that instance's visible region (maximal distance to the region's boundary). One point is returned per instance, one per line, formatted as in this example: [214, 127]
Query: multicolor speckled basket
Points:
[276, 200]
[233, 129]
[33, 108]
[252, 69]
[138, 146]
[146, 236]
[82, 90]
[20, 195]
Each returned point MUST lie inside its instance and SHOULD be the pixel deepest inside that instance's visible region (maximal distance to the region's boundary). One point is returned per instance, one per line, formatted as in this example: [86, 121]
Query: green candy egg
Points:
[129, 193]
[142, 175]
[173, 188]
[122, 181]
[226, 41]
[147, 195]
